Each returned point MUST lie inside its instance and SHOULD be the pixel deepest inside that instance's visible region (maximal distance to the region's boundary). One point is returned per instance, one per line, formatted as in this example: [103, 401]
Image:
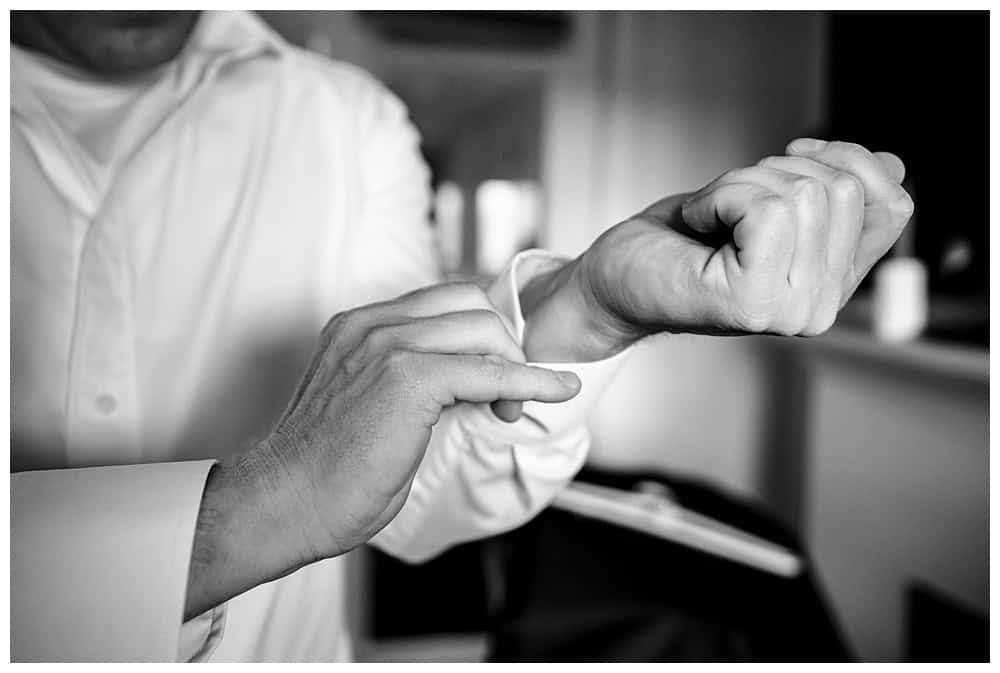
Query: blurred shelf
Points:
[443, 648]
[951, 347]
[928, 356]
[512, 30]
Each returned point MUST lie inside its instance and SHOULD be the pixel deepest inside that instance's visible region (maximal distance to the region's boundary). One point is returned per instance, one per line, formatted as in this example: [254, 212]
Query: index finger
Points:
[351, 327]
[488, 378]
[877, 173]
[441, 298]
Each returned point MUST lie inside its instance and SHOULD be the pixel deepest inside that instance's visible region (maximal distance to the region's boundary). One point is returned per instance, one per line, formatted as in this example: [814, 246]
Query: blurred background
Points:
[868, 444]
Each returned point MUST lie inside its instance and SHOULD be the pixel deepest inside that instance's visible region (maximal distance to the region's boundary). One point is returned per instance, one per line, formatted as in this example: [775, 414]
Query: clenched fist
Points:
[775, 248]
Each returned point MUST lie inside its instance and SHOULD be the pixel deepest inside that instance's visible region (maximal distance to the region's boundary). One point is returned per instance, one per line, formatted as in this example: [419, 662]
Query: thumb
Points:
[720, 208]
[893, 165]
[760, 230]
[506, 410]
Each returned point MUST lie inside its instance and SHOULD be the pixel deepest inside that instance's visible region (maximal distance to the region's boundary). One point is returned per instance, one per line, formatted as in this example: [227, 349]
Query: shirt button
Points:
[106, 404]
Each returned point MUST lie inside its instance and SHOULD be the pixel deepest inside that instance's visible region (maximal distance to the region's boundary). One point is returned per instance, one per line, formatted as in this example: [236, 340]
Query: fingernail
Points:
[569, 379]
[807, 145]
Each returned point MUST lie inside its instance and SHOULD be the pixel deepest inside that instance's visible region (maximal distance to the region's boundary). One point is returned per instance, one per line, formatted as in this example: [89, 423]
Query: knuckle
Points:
[755, 320]
[793, 321]
[401, 370]
[469, 292]
[808, 189]
[809, 331]
[736, 175]
[846, 186]
[756, 323]
[771, 162]
[773, 208]
[904, 205]
[789, 329]
[722, 181]
[824, 321]
[399, 362]
[335, 324]
[494, 368]
[379, 337]
[352, 363]
[353, 320]
[849, 148]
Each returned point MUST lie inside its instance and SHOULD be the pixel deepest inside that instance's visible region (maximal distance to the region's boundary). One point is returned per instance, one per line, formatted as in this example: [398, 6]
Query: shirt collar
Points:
[219, 37]
[233, 34]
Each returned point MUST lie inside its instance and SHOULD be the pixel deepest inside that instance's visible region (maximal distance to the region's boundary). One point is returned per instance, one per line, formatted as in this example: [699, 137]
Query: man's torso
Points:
[170, 316]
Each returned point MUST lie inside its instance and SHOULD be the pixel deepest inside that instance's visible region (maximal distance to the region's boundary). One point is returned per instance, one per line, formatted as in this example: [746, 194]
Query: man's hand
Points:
[776, 248]
[339, 464]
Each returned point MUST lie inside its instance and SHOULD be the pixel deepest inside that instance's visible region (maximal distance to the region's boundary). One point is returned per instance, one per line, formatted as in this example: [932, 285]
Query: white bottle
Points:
[900, 312]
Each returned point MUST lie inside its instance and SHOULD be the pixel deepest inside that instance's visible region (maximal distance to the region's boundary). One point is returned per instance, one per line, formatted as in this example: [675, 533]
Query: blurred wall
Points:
[654, 104]
[882, 469]
[898, 492]
[879, 462]
[638, 106]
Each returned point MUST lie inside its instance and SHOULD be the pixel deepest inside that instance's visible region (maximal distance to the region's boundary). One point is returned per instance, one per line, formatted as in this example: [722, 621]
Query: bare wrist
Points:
[565, 322]
[241, 537]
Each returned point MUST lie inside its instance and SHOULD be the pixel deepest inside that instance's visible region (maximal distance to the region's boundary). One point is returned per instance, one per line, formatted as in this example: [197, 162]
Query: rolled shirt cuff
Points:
[595, 376]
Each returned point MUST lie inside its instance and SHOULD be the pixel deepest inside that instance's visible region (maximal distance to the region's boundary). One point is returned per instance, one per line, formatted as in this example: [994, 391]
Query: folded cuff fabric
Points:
[99, 558]
[481, 476]
[595, 376]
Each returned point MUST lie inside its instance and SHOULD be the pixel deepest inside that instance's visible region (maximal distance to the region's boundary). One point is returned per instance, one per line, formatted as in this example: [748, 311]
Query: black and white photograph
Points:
[542, 334]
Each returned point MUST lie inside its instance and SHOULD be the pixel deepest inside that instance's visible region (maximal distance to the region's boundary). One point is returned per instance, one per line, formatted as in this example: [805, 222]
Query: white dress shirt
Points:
[178, 240]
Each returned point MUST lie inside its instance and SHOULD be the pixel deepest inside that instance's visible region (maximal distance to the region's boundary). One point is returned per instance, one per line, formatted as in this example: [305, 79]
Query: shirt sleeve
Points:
[392, 245]
[481, 476]
[99, 564]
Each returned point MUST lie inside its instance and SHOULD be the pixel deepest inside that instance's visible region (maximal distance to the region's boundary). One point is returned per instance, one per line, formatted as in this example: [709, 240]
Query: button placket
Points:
[106, 403]
[102, 418]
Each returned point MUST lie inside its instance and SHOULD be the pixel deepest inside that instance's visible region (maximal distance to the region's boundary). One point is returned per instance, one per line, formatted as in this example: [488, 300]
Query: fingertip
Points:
[805, 145]
[570, 381]
[893, 165]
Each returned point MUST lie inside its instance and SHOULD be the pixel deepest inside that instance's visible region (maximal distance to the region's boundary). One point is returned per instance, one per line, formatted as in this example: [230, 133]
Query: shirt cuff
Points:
[200, 635]
[481, 476]
[595, 377]
[99, 560]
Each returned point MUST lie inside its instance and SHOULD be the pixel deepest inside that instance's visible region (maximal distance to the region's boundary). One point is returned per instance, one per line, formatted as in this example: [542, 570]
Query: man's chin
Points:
[110, 43]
